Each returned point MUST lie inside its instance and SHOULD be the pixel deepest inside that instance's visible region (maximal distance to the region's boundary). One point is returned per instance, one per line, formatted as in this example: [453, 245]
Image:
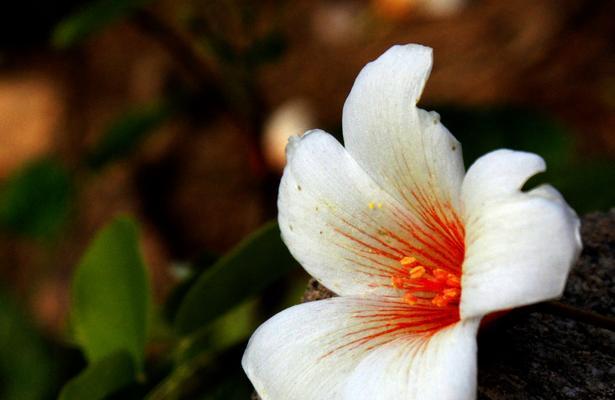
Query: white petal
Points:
[442, 367]
[407, 151]
[308, 351]
[343, 228]
[520, 246]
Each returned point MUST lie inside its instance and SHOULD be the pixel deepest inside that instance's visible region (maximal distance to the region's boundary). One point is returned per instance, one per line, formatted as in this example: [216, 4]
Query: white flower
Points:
[417, 250]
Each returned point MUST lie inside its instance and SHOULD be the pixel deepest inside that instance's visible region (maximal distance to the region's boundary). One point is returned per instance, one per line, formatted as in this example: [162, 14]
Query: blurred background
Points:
[175, 114]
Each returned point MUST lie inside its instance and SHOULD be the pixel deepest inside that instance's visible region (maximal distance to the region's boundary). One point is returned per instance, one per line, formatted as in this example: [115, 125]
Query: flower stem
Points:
[575, 313]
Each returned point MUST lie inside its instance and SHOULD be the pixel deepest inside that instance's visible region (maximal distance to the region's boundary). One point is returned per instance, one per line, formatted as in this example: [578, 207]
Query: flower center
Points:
[424, 285]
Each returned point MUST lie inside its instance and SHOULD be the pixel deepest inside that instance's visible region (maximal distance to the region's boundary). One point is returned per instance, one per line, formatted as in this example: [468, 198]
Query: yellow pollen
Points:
[417, 272]
[407, 260]
[371, 205]
[451, 293]
[379, 205]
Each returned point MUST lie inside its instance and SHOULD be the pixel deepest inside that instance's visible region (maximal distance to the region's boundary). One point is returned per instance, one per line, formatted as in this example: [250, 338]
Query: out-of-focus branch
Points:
[179, 45]
[241, 95]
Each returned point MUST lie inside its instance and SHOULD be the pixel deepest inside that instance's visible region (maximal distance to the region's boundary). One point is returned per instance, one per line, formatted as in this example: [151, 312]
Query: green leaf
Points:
[111, 295]
[191, 273]
[221, 334]
[202, 375]
[26, 366]
[101, 378]
[36, 200]
[249, 268]
[94, 17]
[124, 135]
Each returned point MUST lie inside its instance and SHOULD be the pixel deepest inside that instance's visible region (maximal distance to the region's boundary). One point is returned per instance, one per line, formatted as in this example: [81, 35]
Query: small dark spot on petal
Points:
[321, 232]
[299, 187]
[290, 227]
[453, 147]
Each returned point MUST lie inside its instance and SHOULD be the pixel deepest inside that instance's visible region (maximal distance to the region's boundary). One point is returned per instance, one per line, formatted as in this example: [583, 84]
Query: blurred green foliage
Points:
[481, 130]
[215, 316]
[248, 269]
[101, 378]
[36, 200]
[221, 334]
[127, 131]
[266, 49]
[586, 183]
[26, 369]
[233, 387]
[111, 295]
[93, 17]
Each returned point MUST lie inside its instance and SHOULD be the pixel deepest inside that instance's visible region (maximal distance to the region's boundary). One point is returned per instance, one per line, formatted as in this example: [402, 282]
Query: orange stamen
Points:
[417, 272]
[425, 284]
[407, 260]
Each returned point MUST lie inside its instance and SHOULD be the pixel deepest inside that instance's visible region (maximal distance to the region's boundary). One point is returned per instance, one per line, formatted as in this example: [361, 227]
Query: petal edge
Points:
[520, 246]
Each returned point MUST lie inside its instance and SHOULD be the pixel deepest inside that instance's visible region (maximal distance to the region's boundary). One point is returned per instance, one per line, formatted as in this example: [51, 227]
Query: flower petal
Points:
[520, 246]
[308, 351]
[440, 367]
[344, 229]
[406, 150]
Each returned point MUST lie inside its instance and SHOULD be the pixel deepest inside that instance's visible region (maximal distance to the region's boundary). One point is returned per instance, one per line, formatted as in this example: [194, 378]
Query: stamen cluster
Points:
[424, 285]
